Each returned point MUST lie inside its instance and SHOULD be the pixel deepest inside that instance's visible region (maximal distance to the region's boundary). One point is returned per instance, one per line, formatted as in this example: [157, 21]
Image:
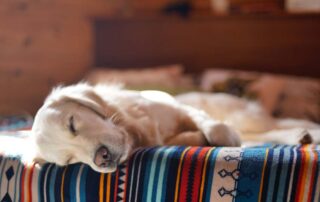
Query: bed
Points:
[267, 172]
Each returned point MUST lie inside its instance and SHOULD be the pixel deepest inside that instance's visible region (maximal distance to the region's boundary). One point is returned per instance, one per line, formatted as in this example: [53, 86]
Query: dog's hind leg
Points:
[215, 132]
[188, 138]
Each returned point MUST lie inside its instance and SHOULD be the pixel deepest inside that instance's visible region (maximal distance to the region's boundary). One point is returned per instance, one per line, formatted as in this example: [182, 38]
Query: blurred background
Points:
[174, 44]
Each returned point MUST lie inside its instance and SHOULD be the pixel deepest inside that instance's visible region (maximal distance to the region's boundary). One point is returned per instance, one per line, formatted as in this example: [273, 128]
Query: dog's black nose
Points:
[102, 157]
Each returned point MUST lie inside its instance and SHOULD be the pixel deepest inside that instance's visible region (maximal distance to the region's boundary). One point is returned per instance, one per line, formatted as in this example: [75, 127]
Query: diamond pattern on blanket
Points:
[6, 198]
[9, 173]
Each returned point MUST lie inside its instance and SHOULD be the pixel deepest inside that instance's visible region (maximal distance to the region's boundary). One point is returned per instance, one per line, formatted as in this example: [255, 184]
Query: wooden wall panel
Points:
[37, 40]
[58, 8]
[279, 44]
[43, 43]
[147, 7]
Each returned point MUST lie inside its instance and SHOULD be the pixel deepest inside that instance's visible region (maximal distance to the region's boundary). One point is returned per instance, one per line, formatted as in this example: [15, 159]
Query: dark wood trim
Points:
[283, 43]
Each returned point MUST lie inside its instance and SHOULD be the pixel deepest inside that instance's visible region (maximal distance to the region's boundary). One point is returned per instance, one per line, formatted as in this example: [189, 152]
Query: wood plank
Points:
[23, 95]
[279, 44]
[25, 85]
[37, 40]
[58, 8]
[41, 45]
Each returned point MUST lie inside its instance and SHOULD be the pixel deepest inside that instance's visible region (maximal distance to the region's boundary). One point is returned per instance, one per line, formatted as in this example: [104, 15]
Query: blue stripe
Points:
[83, 183]
[138, 176]
[41, 185]
[290, 168]
[133, 174]
[172, 172]
[161, 190]
[73, 183]
[273, 173]
[92, 186]
[149, 158]
[164, 181]
[250, 174]
[277, 174]
[157, 175]
[210, 173]
[266, 175]
[58, 182]
[153, 174]
[285, 172]
[142, 173]
[52, 179]
[46, 187]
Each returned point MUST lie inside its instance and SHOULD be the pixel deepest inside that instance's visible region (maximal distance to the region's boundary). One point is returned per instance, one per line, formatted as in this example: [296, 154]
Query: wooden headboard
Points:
[287, 44]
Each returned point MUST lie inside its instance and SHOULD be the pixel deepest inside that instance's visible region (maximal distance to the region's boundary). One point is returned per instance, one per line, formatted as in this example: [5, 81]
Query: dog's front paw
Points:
[222, 135]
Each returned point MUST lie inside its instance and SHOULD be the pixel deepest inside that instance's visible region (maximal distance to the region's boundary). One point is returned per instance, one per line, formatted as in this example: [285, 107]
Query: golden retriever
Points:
[102, 125]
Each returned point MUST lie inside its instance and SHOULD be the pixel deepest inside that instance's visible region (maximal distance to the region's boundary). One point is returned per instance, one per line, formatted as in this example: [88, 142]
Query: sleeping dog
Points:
[102, 125]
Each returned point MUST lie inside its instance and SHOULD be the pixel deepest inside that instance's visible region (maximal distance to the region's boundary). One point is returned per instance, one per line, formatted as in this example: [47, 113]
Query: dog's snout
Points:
[102, 157]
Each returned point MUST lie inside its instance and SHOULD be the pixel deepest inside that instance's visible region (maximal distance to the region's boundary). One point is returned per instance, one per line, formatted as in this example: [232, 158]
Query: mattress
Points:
[175, 173]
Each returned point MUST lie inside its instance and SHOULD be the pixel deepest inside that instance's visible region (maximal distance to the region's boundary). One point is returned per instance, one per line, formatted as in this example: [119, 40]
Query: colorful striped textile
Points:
[278, 173]
[15, 122]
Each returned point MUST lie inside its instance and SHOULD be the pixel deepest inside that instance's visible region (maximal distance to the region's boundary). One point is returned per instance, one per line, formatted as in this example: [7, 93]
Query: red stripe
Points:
[314, 166]
[116, 186]
[185, 173]
[22, 184]
[299, 190]
[30, 183]
[198, 173]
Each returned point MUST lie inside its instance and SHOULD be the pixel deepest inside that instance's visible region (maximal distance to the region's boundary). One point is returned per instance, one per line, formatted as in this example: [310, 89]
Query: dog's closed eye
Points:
[71, 126]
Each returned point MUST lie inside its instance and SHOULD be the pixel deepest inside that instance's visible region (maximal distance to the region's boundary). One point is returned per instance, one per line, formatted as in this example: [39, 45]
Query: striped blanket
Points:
[277, 173]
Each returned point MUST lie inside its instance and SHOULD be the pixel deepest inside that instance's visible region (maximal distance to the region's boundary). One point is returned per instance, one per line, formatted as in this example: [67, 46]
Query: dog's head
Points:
[75, 124]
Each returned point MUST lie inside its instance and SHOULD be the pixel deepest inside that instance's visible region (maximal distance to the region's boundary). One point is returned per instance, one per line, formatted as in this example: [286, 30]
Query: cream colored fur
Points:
[251, 119]
[76, 120]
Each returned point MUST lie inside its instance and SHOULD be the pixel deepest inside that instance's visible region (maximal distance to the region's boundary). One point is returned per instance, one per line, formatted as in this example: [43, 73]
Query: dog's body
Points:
[248, 117]
[253, 122]
[102, 125]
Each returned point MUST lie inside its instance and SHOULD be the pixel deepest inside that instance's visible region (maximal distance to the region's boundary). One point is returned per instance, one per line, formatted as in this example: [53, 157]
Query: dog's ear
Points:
[90, 100]
[86, 97]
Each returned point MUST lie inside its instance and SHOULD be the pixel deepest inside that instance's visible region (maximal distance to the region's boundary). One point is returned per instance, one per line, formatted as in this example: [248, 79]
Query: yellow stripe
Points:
[108, 189]
[62, 184]
[204, 173]
[263, 170]
[178, 175]
[101, 187]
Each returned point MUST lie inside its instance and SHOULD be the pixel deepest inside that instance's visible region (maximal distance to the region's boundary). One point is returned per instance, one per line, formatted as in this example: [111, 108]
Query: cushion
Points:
[282, 96]
[169, 78]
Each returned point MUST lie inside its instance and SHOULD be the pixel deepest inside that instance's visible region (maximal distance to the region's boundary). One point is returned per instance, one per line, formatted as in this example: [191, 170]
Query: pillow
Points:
[282, 96]
[166, 78]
